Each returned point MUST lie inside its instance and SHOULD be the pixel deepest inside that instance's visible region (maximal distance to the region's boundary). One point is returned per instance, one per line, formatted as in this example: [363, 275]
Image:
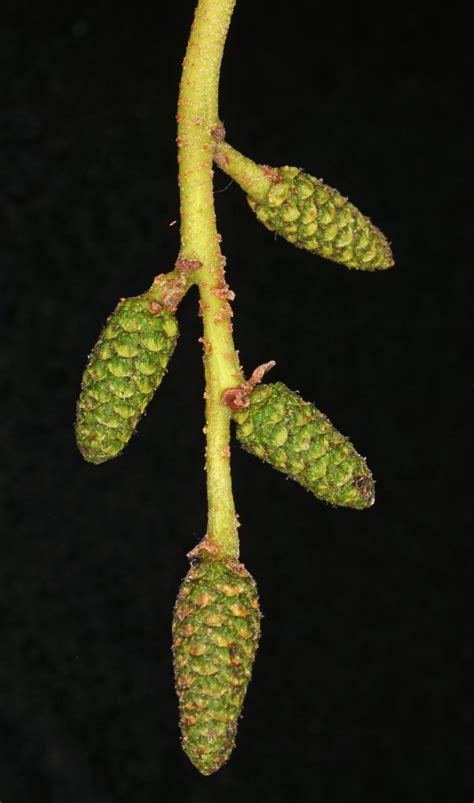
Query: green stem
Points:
[254, 179]
[197, 115]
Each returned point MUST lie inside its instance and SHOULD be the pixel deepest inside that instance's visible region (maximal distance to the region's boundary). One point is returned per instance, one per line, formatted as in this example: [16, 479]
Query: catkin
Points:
[216, 627]
[295, 438]
[125, 368]
[316, 217]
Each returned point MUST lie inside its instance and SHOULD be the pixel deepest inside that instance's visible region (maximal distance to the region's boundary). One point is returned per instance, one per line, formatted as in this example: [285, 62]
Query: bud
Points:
[295, 438]
[316, 217]
[124, 370]
[216, 627]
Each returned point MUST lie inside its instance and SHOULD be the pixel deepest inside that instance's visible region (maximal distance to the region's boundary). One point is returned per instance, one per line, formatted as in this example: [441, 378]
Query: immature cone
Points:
[295, 438]
[316, 217]
[216, 627]
[125, 368]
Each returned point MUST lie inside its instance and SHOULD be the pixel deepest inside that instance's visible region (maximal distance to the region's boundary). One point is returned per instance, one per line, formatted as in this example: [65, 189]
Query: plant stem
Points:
[197, 115]
[251, 177]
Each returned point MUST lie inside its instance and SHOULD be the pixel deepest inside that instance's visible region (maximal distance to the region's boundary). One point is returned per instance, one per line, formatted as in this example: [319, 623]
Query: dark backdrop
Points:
[360, 689]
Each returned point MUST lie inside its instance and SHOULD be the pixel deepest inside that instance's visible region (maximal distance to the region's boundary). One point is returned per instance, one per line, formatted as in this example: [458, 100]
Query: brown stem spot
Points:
[238, 398]
[207, 345]
[235, 398]
[223, 291]
[188, 266]
[224, 313]
[218, 133]
[205, 546]
[221, 160]
[271, 173]
[260, 372]
[173, 291]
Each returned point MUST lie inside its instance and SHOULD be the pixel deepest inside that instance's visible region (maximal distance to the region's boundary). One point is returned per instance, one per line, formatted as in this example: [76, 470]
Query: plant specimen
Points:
[216, 623]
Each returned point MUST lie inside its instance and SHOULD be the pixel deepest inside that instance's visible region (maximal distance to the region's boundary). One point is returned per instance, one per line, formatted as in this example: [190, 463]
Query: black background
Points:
[360, 689]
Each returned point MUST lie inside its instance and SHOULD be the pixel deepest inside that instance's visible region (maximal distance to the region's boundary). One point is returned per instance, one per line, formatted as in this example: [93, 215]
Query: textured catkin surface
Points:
[295, 438]
[216, 627]
[316, 217]
[125, 368]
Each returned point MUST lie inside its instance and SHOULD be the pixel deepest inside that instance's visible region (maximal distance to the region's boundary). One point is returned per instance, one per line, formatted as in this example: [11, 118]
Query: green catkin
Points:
[295, 438]
[316, 217]
[216, 627]
[125, 368]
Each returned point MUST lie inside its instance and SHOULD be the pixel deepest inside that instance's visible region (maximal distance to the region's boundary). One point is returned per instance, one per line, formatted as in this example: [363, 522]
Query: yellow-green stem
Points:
[254, 179]
[197, 115]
